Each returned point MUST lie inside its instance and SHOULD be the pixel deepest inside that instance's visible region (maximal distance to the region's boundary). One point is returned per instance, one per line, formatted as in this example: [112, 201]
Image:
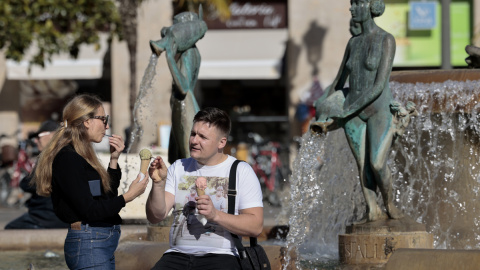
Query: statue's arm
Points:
[186, 78]
[339, 80]
[381, 80]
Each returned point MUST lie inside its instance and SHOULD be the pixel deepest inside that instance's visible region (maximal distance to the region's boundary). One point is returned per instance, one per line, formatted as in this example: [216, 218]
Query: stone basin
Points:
[440, 104]
[140, 246]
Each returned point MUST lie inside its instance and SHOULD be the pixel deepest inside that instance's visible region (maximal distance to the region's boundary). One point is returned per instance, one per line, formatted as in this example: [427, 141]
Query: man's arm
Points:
[159, 202]
[248, 222]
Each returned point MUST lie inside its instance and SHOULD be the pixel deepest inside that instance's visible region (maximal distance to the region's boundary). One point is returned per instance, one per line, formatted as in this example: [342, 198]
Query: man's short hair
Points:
[215, 117]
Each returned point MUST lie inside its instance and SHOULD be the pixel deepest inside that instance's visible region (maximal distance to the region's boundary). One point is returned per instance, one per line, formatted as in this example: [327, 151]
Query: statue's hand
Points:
[336, 117]
[473, 60]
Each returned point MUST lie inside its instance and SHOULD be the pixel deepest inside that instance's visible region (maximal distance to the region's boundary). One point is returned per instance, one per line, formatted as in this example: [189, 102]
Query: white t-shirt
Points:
[187, 234]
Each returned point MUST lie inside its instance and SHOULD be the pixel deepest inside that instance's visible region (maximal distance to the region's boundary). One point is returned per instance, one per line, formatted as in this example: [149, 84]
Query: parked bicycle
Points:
[264, 157]
[16, 163]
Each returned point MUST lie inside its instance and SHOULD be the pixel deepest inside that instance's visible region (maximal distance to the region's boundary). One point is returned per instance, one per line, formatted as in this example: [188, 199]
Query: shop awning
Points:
[242, 54]
[88, 65]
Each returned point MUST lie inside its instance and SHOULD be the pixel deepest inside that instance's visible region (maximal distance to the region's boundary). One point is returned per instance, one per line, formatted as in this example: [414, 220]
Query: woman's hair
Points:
[72, 131]
[377, 7]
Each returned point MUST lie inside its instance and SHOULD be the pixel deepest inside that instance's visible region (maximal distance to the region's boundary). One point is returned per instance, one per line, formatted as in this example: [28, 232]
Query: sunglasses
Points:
[103, 118]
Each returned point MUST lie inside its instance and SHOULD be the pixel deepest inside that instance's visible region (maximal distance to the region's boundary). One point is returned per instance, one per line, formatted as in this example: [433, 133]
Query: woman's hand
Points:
[137, 188]
[116, 146]
[158, 170]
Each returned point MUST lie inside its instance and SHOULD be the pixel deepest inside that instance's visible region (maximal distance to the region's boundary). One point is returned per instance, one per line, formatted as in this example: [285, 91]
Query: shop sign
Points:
[422, 15]
[252, 15]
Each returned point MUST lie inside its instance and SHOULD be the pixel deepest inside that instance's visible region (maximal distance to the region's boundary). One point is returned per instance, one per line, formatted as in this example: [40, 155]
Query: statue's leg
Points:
[355, 131]
[380, 131]
[172, 148]
[185, 138]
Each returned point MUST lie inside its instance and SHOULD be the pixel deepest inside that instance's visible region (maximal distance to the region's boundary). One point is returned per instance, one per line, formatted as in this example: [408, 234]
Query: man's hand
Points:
[158, 170]
[205, 207]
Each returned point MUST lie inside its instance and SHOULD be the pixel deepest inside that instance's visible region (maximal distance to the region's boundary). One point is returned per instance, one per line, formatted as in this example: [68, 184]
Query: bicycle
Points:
[266, 162]
[16, 163]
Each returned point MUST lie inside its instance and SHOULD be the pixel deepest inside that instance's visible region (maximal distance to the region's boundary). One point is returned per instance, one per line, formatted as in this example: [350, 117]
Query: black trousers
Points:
[24, 221]
[180, 261]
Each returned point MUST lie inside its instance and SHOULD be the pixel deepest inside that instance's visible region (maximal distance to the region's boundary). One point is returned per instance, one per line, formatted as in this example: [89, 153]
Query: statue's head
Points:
[377, 7]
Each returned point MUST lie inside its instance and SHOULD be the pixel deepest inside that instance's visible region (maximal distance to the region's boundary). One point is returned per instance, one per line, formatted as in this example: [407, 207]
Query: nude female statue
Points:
[183, 59]
[364, 109]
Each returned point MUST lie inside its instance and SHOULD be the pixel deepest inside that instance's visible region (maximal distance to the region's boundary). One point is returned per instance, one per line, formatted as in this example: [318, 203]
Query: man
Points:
[209, 246]
[40, 213]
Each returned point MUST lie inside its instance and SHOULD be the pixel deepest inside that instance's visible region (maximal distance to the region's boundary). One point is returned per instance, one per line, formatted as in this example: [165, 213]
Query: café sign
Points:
[249, 15]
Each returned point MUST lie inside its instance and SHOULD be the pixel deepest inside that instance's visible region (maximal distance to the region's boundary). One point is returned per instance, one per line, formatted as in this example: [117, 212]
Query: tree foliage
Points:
[54, 26]
[220, 7]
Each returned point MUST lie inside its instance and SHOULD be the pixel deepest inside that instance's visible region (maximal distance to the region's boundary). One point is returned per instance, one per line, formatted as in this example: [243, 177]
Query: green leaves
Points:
[54, 26]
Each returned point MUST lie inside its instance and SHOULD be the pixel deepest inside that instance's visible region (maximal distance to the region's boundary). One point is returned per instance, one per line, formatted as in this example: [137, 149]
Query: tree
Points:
[54, 26]
[61, 26]
[128, 10]
[220, 7]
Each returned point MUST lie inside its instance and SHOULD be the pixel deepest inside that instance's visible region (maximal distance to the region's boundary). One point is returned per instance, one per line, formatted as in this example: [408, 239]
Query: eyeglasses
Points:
[103, 118]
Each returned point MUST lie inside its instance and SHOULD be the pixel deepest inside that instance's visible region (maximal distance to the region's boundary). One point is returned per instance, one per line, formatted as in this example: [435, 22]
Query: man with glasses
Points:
[40, 213]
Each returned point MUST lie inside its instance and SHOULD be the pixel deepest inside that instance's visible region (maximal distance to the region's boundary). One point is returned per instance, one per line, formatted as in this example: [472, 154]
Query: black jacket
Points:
[40, 208]
[71, 194]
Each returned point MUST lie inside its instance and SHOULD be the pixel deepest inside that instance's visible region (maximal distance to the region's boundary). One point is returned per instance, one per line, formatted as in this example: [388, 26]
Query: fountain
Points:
[435, 166]
[373, 121]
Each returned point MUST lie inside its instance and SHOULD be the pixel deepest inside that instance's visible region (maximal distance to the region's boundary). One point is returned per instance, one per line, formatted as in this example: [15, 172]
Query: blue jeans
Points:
[91, 247]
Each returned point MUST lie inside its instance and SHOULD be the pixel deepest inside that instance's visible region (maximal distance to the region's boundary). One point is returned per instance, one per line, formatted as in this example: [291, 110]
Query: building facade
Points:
[271, 58]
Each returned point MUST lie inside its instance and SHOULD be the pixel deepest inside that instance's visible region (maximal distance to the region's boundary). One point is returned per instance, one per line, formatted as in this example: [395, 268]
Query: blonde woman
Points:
[83, 192]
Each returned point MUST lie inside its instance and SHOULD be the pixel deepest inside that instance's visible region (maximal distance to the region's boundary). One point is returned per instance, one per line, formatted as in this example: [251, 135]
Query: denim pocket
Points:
[100, 236]
[72, 252]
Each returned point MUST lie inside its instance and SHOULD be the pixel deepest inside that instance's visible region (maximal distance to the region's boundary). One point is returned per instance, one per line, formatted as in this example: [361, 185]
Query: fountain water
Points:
[435, 165]
[141, 102]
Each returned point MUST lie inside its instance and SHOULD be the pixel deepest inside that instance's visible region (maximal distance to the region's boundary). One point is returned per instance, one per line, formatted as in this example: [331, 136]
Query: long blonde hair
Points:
[73, 131]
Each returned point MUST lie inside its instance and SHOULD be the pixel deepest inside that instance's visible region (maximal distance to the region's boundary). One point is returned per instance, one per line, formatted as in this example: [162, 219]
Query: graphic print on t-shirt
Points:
[187, 229]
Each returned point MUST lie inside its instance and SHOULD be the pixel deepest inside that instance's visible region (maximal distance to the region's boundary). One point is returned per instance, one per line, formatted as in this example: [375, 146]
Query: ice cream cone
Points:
[145, 156]
[200, 192]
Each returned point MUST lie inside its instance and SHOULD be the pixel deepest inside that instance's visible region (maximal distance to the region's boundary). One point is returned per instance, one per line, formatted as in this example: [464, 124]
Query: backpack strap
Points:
[232, 187]
[232, 193]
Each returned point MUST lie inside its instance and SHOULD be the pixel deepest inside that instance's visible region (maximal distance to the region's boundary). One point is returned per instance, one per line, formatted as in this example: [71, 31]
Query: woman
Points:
[84, 194]
[364, 110]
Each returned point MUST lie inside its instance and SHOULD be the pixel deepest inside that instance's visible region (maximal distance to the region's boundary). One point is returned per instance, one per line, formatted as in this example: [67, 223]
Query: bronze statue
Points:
[183, 59]
[365, 110]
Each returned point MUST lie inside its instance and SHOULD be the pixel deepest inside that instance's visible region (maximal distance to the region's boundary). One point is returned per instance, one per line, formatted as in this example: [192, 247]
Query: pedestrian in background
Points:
[40, 213]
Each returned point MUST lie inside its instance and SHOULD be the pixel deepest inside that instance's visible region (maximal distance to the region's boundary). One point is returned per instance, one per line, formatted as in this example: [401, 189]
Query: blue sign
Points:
[422, 15]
